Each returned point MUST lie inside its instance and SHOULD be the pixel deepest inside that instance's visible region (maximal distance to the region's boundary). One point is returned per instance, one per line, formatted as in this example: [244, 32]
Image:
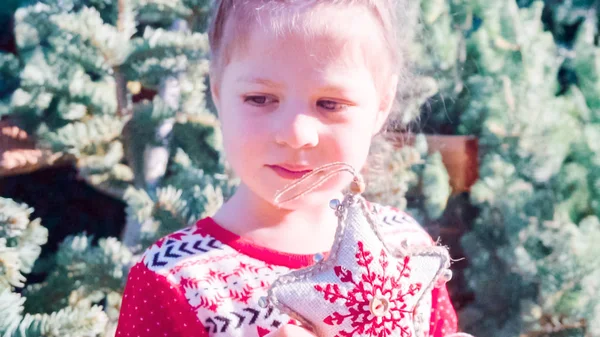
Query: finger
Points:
[290, 330]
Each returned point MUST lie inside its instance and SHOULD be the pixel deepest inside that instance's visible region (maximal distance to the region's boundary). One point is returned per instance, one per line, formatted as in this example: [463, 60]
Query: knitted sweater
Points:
[206, 281]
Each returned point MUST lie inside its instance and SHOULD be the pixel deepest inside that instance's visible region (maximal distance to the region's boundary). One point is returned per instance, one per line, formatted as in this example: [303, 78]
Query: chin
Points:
[318, 198]
[306, 201]
[266, 186]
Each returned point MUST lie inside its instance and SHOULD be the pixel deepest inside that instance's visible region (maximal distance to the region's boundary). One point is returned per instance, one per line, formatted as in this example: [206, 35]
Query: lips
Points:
[290, 172]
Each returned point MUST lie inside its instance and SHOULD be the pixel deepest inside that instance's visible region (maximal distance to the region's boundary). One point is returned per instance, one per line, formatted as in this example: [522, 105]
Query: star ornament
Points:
[362, 289]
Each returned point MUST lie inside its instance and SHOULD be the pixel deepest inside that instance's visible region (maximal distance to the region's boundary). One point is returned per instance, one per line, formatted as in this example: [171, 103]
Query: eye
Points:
[258, 100]
[332, 106]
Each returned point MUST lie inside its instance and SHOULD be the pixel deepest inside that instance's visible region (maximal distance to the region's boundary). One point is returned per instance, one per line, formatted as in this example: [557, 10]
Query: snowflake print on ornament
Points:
[361, 288]
[376, 300]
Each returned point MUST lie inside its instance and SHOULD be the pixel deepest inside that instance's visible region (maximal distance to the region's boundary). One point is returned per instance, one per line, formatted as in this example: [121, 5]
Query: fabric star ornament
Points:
[362, 288]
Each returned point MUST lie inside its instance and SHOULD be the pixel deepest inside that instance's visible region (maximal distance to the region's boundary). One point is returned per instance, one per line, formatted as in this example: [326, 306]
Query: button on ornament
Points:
[379, 306]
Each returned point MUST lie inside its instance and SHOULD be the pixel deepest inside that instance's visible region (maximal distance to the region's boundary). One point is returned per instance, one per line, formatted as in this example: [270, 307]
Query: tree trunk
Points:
[156, 157]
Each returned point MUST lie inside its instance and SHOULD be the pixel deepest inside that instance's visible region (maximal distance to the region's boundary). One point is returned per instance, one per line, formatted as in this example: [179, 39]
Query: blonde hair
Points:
[232, 20]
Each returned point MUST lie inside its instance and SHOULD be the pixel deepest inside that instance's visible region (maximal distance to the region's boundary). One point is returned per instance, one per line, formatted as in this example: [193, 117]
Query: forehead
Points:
[319, 37]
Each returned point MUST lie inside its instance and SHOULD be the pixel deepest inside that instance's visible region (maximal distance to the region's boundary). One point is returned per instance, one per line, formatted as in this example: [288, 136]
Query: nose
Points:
[297, 130]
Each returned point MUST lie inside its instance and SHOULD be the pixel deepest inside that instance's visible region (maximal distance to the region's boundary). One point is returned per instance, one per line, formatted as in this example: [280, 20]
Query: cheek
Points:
[243, 135]
[350, 143]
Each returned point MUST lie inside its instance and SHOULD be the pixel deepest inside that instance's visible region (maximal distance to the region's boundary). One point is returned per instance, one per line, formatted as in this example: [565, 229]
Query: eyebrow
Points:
[334, 89]
[331, 89]
[261, 81]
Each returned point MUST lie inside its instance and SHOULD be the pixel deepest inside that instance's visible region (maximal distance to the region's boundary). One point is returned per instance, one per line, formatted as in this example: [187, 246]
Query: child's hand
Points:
[291, 330]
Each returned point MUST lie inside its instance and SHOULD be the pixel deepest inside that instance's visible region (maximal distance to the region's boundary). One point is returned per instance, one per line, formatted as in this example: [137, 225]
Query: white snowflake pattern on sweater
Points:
[206, 281]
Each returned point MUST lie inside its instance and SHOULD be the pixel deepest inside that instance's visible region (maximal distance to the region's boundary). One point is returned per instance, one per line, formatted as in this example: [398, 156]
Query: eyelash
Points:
[250, 99]
[340, 106]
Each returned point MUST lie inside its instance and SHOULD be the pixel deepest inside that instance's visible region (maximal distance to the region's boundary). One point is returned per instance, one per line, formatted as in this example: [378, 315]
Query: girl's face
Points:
[290, 104]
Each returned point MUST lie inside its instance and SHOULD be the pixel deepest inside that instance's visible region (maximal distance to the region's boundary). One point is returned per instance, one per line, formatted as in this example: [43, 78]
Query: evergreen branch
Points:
[79, 137]
[196, 4]
[143, 132]
[587, 67]
[169, 213]
[203, 129]
[169, 199]
[9, 64]
[74, 48]
[152, 70]
[47, 72]
[147, 115]
[9, 75]
[203, 201]
[71, 111]
[28, 106]
[139, 204]
[112, 43]
[175, 6]
[11, 274]
[436, 187]
[194, 87]
[573, 329]
[33, 25]
[68, 322]
[34, 236]
[162, 53]
[113, 184]
[160, 43]
[102, 163]
[83, 274]
[20, 242]
[161, 12]
[169, 209]
[105, 171]
[390, 175]
[14, 218]
[4, 107]
[11, 311]
[204, 193]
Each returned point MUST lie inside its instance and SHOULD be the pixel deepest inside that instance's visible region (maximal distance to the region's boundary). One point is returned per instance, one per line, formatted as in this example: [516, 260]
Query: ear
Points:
[386, 104]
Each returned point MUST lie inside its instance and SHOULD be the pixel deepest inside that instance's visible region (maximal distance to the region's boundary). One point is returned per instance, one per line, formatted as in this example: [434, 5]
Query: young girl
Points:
[297, 84]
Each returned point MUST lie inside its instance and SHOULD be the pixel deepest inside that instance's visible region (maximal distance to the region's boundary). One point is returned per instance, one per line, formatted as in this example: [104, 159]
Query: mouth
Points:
[290, 173]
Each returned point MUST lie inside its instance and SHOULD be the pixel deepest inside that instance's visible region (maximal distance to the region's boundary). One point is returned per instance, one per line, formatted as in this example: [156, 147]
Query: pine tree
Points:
[415, 178]
[531, 250]
[65, 303]
[78, 83]
[81, 65]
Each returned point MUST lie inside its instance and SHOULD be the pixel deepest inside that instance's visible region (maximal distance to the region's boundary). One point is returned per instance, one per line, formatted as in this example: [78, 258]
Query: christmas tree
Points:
[65, 304]
[120, 89]
[529, 94]
[82, 65]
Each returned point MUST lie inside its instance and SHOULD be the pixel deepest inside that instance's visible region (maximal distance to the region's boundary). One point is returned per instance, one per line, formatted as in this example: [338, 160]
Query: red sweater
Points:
[207, 281]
